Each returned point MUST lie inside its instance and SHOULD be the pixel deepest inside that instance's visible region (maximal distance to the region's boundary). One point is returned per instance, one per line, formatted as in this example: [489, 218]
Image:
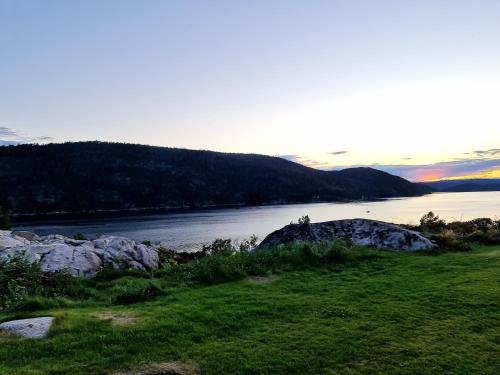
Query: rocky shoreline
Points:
[85, 258]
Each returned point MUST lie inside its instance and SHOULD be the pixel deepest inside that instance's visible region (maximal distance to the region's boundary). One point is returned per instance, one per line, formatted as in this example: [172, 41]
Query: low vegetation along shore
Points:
[303, 307]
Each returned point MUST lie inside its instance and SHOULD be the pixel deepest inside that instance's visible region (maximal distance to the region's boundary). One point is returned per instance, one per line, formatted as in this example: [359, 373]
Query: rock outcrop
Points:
[362, 232]
[34, 328]
[80, 258]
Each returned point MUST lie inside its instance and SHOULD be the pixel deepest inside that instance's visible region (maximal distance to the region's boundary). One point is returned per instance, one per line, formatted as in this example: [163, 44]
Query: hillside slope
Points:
[487, 184]
[87, 176]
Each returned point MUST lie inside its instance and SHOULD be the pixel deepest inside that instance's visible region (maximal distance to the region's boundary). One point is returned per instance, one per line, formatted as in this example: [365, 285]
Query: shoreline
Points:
[54, 215]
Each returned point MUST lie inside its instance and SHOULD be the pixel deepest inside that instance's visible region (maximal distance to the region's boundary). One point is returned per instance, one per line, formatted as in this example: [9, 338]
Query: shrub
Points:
[448, 240]
[482, 230]
[221, 268]
[249, 244]
[219, 247]
[80, 236]
[21, 278]
[166, 257]
[492, 237]
[430, 222]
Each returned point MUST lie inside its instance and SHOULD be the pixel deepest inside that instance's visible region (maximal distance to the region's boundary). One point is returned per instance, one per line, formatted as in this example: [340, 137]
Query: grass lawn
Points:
[391, 313]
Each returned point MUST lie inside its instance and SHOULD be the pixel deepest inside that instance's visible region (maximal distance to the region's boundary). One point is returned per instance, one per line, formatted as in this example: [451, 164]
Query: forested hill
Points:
[486, 184]
[88, 176]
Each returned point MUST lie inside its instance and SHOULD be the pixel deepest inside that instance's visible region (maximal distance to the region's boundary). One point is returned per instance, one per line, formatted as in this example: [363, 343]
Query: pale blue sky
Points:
[392, 82]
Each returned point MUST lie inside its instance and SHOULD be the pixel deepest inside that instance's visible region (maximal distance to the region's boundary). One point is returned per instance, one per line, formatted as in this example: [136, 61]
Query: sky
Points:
[410, 87]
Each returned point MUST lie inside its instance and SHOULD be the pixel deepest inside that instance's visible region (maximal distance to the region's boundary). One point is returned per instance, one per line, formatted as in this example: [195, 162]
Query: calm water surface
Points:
[188, 230]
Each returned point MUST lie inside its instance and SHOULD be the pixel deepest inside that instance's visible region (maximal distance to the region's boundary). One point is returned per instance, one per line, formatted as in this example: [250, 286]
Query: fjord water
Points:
[189, 229]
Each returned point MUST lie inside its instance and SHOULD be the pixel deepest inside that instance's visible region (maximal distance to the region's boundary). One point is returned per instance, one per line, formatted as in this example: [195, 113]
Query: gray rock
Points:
[35, 328]
[26, 235]
[79, 257]
[8, 240]
[362, 232]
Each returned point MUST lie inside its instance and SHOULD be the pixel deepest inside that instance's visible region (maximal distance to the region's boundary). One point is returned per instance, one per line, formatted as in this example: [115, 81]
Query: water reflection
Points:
[187, 230]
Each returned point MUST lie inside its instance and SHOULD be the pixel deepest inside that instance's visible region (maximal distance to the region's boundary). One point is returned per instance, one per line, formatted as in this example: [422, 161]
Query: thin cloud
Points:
[10, 137]
[338, 152]
[7, 132]
[492, 152]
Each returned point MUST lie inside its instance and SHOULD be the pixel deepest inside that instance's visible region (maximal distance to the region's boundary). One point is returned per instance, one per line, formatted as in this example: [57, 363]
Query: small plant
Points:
[79, 236]
[304, 220]
[249, 244]
[219, 247]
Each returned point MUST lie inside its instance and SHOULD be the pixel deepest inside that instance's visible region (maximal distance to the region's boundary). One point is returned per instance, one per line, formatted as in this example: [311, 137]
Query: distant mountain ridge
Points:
[487, 184]
[89, 176]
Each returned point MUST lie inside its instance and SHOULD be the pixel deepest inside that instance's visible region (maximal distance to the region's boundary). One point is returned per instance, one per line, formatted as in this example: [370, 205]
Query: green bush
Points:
[492, 237]
[458, 234]
[219, 247]
[222, 268]
[448, 240]
[249, 244]
[431, 222]
[80, 236]
[166, 257]
[21, 279]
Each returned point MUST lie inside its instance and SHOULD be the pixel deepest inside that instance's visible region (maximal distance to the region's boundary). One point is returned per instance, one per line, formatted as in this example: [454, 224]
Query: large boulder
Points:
[362, 232]
[79, 258]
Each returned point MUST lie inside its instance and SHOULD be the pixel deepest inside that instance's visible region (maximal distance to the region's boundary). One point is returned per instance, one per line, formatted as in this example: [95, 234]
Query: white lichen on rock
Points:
[35, 328]
[79, 258]
[363, 232]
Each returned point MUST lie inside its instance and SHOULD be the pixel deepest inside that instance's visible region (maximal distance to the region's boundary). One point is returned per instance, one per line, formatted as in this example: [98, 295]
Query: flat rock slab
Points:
[36, 328]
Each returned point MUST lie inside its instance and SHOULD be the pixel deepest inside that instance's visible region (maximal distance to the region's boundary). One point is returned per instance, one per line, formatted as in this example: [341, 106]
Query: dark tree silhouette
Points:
[87, 176]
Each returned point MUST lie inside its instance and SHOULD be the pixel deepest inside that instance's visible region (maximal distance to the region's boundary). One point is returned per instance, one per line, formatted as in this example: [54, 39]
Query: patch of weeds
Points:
[130, 291]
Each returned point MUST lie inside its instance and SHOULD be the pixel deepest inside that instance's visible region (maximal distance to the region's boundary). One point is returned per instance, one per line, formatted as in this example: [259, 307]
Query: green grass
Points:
[379, 313]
